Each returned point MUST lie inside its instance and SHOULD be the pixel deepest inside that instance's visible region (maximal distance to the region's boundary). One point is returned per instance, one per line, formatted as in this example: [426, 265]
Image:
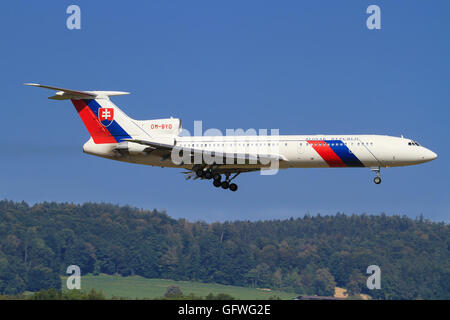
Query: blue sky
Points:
[304, 67]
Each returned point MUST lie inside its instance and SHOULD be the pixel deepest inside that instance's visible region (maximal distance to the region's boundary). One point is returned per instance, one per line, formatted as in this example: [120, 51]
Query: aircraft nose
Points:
[429, 155]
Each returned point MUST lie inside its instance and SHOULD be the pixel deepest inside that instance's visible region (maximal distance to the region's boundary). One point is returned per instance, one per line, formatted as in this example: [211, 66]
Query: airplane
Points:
[158, 142]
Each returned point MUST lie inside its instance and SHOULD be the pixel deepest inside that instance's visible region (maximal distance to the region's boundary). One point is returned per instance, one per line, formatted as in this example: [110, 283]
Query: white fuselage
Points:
[298, 151]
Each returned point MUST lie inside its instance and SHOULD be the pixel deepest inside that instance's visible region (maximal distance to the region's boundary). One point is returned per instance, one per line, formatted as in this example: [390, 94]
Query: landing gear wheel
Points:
[217, 183]
[217, 176]
[233, 187]
[199, 173]
[377, 179]
[225, 185]
[208, 174]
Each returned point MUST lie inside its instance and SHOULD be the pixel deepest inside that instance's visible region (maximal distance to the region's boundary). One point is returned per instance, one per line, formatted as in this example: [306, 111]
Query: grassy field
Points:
[139, 287]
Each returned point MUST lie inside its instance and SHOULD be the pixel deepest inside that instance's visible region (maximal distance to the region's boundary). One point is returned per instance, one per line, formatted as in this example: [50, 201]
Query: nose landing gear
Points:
[377, 179]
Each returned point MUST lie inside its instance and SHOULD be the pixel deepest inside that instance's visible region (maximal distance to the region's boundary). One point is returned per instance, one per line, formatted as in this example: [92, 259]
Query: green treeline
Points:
[54, 294]
[309, 255]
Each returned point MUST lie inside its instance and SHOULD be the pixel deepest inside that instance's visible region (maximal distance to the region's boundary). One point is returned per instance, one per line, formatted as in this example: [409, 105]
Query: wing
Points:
[220, 158]
[227, 171]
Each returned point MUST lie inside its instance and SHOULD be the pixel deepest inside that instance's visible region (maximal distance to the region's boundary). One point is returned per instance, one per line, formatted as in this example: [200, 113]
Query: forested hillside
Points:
[309, 255]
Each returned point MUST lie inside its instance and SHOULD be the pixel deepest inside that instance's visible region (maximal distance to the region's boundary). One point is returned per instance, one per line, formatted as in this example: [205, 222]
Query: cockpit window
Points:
[413, 143]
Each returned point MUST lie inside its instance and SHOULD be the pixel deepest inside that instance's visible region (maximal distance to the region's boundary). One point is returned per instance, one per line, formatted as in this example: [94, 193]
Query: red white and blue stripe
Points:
[335, 153]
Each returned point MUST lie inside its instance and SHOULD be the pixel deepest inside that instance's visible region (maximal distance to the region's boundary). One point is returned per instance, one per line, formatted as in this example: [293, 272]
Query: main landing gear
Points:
[227, 184]
[217, 179]
[377, 179]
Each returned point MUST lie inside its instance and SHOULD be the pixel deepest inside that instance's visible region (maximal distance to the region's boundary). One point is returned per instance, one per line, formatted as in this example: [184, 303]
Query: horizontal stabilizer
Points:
[64, 94]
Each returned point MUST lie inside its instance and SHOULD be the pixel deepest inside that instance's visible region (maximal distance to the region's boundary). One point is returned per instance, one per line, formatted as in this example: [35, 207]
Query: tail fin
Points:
[105, 122]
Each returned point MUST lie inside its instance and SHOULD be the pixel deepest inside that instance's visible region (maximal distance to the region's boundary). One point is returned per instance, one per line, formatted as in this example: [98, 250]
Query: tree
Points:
[324, 283]
[95, 295]
[356, 283]
[173, 292]
[277, 278]
[42, 278]
[219, 296]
